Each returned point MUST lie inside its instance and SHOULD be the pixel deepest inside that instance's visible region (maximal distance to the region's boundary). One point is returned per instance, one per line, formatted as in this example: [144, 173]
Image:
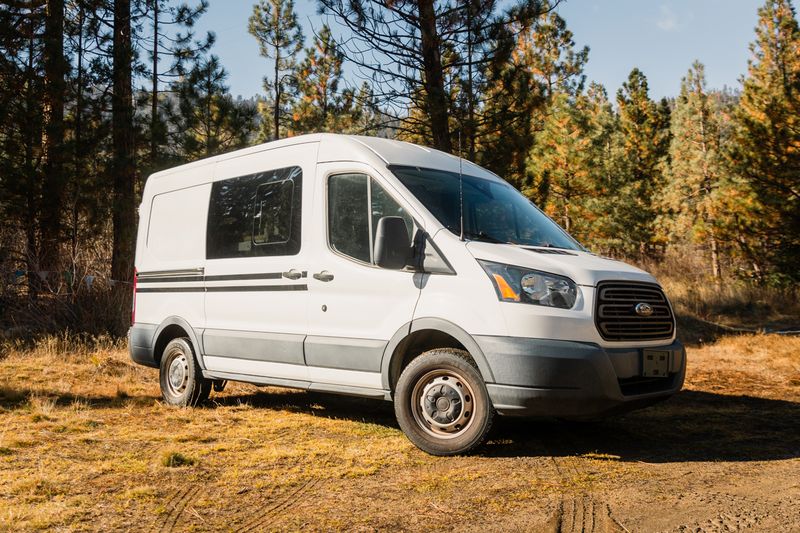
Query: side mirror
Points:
[392, 244]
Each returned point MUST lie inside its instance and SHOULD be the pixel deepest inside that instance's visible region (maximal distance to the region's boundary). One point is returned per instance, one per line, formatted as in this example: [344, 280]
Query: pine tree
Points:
[173, 39]
[766, 149]
[543, 63]
[644, 142]
[208, 121]
[319, 106]
[55, 70]
[280, 38]
[124, 162]
[697, 182]
[559, 164]
[22, 125]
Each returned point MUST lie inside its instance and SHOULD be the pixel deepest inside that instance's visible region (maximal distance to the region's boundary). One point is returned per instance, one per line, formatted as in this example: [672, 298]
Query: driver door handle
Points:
[292, 274]
[323, 276]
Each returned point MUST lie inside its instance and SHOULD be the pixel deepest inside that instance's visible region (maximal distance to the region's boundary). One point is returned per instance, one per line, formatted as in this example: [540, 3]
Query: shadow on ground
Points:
[692, 426]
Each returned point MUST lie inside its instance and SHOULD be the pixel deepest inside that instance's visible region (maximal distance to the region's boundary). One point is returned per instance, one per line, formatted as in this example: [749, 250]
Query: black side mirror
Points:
[392, 244]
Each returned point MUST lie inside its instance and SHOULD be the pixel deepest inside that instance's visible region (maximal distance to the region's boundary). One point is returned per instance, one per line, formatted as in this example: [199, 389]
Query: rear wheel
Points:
[182, 381]
[441, 403]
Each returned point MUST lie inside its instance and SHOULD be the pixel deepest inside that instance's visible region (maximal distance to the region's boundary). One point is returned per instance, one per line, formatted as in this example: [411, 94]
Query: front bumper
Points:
[551, 378]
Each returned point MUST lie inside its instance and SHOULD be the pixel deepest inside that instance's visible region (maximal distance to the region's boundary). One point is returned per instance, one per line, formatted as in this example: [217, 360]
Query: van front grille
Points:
[616, 316]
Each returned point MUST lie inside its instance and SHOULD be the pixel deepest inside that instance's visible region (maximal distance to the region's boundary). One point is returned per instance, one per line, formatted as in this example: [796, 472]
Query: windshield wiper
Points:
[482, 236]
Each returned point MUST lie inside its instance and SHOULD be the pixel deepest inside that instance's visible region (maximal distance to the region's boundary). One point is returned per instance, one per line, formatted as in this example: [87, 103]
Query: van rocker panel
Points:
[543, 377]
[344, 353]
[254, 345]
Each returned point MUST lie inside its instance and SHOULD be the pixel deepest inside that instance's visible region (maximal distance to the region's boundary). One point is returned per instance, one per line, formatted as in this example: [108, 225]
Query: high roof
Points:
[336, 147]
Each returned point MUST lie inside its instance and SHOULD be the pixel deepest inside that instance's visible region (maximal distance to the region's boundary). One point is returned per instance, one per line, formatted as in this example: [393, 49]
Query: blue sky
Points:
[661, 37]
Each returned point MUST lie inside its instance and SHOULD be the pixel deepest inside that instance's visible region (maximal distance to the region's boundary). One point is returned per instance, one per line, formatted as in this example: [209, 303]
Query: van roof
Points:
[332, 146]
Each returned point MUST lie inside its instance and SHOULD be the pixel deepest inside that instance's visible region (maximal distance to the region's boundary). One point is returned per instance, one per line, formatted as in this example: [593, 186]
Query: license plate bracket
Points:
[655, 363]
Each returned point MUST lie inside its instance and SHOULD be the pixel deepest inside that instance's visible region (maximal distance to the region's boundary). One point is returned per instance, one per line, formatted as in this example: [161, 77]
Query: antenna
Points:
[460, 186]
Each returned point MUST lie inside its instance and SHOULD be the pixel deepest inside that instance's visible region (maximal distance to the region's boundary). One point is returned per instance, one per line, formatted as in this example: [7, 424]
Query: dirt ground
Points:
[85, 444]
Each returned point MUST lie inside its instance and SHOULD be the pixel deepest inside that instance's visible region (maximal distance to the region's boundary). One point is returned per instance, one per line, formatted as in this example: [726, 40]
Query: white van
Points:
[379, 268]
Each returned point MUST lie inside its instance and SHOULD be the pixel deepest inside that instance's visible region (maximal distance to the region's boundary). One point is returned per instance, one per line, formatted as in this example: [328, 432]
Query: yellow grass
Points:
[86, 444]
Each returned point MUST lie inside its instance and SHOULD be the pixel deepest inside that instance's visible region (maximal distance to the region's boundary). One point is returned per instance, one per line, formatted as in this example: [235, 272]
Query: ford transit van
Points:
[382, 269]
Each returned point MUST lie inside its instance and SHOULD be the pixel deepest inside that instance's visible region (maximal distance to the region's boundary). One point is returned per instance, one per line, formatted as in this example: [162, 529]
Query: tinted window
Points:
[255, 215]
[383, 205]
[494, 211]
[348, 219]
[356, 203]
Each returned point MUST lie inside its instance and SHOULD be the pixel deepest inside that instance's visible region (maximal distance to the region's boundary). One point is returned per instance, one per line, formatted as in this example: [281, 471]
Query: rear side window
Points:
[255, 215]
[356, 203]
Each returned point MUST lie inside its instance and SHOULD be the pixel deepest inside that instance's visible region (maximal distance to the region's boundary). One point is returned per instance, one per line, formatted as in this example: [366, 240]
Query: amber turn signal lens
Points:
[505, 289]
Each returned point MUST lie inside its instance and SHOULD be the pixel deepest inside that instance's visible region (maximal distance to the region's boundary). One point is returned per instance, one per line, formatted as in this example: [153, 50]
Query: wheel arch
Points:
[423, 334]
[172, 328]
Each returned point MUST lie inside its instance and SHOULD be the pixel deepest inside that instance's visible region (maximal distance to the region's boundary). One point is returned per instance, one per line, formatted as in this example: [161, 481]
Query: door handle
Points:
[292, 274]
[323, 276]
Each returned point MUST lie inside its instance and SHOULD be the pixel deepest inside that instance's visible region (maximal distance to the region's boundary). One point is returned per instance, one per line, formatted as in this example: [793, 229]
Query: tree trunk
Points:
[471, 129]
[276, 111]
[55, 70]
[154, 126]
[31, 250]
[79, 151]
[436, 101]
[124, 167]
[715, 267]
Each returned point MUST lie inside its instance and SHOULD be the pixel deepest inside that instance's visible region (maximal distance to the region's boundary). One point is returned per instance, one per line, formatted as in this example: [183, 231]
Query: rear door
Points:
[256, 274]
[355, 307]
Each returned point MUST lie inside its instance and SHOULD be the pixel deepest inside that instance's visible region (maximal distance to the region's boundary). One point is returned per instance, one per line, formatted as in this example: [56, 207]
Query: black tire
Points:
[442, 404]
[185, 386]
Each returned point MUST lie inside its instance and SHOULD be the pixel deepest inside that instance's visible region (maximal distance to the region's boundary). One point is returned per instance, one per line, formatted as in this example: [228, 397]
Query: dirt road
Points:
[86, 445]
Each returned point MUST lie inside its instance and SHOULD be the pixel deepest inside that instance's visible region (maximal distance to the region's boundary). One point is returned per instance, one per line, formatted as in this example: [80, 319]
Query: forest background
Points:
[95, 95]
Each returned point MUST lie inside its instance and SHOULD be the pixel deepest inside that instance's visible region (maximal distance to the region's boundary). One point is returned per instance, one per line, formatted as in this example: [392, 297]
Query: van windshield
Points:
[493, 211]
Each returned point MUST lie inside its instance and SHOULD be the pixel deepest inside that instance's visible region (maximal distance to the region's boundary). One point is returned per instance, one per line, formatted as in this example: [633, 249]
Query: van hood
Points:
[583, 268]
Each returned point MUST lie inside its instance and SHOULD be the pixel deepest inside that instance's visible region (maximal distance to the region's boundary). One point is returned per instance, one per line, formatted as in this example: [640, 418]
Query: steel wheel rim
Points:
[443, 403]
[177, 374]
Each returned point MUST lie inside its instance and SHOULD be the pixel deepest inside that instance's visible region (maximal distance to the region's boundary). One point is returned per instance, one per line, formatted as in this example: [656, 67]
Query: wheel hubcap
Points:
[443, 403]
[178, 375]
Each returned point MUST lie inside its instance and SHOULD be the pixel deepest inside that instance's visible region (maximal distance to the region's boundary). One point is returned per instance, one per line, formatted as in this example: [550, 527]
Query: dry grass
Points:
[87, 445]
[708, 309]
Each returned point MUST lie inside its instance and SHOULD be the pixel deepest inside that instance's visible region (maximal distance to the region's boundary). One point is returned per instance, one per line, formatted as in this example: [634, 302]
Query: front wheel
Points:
[441, 403]
[182, 381]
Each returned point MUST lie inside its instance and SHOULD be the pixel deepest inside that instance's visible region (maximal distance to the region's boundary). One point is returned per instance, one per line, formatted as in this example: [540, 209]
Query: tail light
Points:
[133, 306]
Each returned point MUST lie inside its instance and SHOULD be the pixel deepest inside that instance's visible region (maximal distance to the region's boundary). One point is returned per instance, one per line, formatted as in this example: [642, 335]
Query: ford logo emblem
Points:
[644, 309]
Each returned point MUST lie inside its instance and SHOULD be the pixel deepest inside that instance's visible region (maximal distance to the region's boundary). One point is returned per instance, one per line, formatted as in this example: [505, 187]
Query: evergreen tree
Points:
[698, 183]
[320, 103]
[543, 63]
[559, 164]
[644, 142]
[124, 164]
[172, 38]
[55, 71]
[22, 124]
[427, 59]
[602, 161]
[280, 38]
[208, 121]
[766, 149]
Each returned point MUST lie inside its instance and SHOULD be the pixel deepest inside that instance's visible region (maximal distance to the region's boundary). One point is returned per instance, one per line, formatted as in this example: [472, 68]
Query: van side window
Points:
[348, 219]
[356, 203]
[255, 215]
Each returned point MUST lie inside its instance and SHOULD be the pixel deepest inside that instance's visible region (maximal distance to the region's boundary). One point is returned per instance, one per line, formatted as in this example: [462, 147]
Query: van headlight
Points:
[517, 284]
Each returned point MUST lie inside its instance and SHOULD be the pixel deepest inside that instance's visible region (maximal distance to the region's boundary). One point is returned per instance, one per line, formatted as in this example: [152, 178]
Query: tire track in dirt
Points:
[176, 504]
[580, 512]
[270, 515]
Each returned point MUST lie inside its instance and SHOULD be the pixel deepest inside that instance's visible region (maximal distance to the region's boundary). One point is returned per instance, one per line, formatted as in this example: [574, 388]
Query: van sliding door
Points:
[256, 276]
